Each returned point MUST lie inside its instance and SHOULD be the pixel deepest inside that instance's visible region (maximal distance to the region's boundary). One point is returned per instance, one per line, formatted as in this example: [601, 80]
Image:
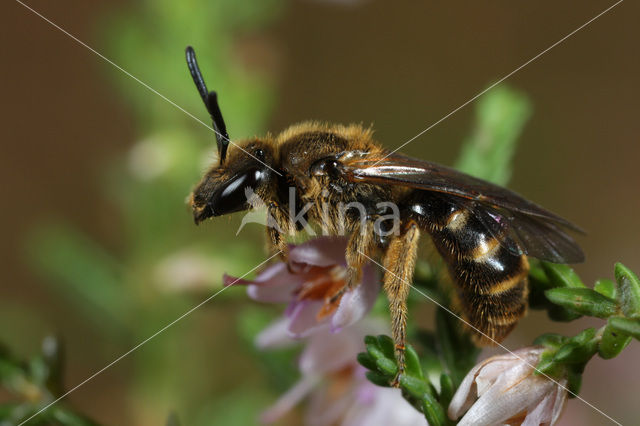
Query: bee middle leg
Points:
[399, 262]
[357, 254]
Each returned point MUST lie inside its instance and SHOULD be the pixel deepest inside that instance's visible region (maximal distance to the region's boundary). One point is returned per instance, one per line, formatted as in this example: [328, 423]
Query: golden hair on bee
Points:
[340, 179]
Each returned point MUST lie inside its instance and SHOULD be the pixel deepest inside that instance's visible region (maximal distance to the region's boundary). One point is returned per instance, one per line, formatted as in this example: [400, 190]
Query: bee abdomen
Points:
[491, 280]
[493, 314]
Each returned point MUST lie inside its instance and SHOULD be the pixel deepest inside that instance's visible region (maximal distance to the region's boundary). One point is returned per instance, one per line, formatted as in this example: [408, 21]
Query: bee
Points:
[484, 233]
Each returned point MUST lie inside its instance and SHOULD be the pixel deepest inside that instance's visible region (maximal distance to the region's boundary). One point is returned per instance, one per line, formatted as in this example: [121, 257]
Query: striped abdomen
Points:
[491, 280]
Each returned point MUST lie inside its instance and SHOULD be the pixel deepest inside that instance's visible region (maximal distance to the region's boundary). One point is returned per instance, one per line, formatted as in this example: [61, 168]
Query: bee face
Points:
[226, 188]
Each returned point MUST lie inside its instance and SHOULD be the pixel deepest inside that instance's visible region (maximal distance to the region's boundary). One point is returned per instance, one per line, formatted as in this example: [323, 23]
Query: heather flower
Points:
[335, 384]
[508, 391]
[315, 272]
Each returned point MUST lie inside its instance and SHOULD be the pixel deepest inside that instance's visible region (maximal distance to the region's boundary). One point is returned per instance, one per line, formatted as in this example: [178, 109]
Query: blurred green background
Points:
[100, 247]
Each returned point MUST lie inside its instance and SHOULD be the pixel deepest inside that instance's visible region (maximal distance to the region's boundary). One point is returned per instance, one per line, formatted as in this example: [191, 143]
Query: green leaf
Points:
[538, 277]
[446, 389]
[387, 366]
[412, 363]
[606, 288]
[387, 345]
[578, 349]
[550, 340]
[500, 117]
[547, 366]
[417, 388]
[584, 301]
[626, 325]
[378, 379]
[367, 361]
[418, 391]
[574, 380]
[561, 314]
[538, 283]
[433, 411]
[584, 336]
[628, 291]
[612, 342]
[370, 340]
[562, 275]
[374, 351]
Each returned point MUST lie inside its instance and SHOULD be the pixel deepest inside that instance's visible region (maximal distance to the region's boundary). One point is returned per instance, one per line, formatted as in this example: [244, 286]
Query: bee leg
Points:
[399, 262]
[277, 225]
[358, 251]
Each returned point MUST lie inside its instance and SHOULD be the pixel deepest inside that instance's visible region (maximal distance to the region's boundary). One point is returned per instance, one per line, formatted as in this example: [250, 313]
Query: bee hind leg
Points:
[399, 262]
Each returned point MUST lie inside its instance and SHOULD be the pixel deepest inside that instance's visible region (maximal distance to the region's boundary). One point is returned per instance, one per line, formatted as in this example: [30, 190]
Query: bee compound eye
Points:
[234, 195]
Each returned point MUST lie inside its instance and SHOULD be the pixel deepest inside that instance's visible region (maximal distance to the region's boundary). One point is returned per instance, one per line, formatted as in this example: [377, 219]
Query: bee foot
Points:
[395, 383]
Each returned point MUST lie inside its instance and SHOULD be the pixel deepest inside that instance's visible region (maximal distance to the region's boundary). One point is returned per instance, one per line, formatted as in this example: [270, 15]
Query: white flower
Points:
[509, 392]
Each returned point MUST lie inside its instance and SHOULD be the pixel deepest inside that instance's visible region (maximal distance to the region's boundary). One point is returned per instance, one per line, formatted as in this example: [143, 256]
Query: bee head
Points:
[229, 186]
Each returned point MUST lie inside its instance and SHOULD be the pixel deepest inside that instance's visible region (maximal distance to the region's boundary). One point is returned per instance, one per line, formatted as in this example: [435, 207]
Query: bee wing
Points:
[536, 237]
[538, 232]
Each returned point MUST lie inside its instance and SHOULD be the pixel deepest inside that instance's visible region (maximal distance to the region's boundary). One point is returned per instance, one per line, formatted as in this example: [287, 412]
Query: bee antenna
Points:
[210, 100]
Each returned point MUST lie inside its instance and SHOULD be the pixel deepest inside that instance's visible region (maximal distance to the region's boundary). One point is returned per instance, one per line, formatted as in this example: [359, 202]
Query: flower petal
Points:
[466, 393]
[541, 414]
[275, 335]
[274, 274]
[356, 303]
[560, 399]
[492, 370]
[388, 407]
[505, 399]
[303, 318]
[327, 352]
[272, 294]
[326, 408]
[322, 251]
[487, 378]
[289, 399]
[229, 280]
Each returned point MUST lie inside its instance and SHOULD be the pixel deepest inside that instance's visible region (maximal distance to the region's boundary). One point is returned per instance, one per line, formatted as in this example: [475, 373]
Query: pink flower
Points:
[331, 379]
[336, 387]
[315, 272]
[509, 392]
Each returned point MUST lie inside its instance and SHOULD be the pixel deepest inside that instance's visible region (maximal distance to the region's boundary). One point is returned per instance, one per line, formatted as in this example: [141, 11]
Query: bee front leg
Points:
[278, 224]
[399, 262]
